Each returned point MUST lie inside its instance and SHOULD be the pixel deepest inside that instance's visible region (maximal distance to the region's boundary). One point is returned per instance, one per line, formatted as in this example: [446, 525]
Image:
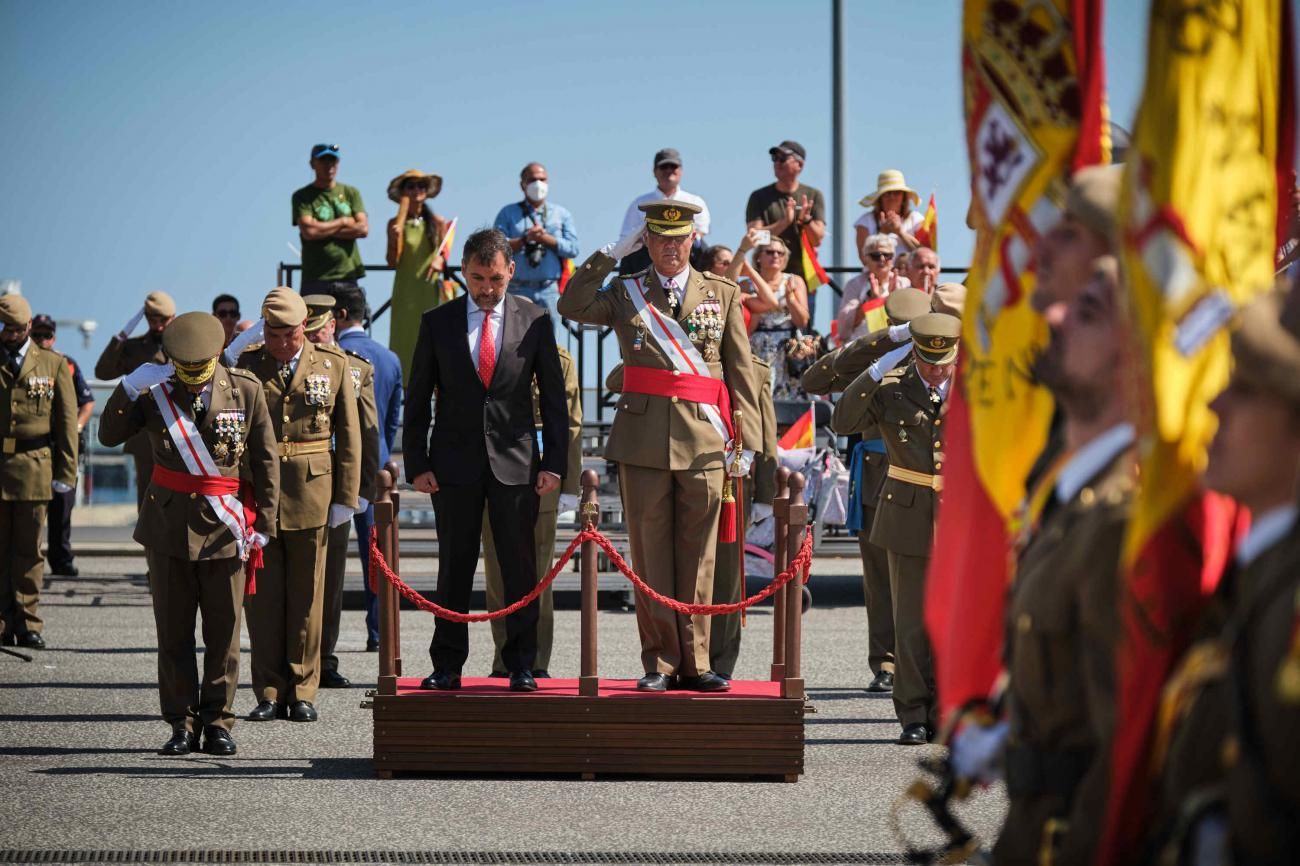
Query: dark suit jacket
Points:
[477, 429]
[388, 385]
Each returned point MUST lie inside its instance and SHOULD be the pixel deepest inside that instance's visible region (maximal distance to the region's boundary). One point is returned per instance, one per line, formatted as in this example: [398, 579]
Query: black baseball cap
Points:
[325, 150]
[668, 156]
[788, 147]
[43, 322]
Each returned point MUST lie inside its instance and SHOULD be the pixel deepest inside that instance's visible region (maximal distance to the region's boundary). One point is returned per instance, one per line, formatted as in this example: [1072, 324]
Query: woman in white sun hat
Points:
[890, 212]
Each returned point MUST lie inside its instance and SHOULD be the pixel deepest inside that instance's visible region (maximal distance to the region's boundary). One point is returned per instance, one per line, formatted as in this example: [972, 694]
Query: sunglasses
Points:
[227, 314]
[879, 257]
[414, 184]
[774, 252]
[42, 335]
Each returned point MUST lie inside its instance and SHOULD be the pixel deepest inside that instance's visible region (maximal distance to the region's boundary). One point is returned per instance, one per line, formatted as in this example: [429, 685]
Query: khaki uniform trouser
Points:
[672, 527]
[336, 566]
[880, 602]
[494, 589]
[213, 589]
[728, 588]
[22, 570]
[284, 617]
[914, 694]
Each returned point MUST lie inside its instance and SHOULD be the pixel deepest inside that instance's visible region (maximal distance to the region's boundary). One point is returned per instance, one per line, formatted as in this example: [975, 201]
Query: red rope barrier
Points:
[801, 565]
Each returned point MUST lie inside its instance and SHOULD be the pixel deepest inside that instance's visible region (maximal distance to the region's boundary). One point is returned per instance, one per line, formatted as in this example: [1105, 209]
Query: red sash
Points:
[683, 386]
[218, 485]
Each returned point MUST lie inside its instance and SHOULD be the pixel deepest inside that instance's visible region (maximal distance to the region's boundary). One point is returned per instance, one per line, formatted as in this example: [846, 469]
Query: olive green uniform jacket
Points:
[39, 402]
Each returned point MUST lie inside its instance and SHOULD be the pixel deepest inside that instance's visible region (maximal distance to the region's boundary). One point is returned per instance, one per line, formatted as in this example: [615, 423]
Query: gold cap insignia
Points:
[936, 342]
[672, 213]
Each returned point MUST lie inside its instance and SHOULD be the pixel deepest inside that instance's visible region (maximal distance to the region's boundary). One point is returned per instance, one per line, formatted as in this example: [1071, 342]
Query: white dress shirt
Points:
[21, 354]
[634, 220]
[1091, 459]
[678, 279]
[474, 326]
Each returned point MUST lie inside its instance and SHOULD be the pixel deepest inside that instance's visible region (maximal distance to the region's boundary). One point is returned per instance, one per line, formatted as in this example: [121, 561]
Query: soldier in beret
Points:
[687, 367]
[208, 510]
[38, 456]
[318, 433]
[123, 354]
[904, 406]
[320, 328]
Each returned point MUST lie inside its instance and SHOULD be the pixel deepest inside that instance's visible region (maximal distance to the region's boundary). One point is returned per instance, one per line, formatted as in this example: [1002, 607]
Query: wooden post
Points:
[385, 518]
[781, 515]
[792, 684]
[395, 563]
[589, 680]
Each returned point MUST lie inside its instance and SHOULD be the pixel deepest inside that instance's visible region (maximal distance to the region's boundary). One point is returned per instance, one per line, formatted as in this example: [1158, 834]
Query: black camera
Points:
[534, 251]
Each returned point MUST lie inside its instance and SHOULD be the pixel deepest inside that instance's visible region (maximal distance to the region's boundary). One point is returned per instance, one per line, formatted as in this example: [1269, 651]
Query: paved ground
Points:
[79, 726]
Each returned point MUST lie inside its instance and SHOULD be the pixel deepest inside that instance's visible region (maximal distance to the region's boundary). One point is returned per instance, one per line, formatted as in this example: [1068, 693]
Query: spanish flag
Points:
[800, 434]
[814, 275]
[1198, 216]
[566, 274]
[1024, 143]
[928, 233]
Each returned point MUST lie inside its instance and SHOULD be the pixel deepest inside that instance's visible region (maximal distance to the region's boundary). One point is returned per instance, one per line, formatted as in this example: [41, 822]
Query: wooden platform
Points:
[485, 728]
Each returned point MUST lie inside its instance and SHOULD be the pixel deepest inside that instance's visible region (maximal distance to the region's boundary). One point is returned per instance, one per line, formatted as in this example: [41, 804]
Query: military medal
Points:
[40, 386]
[356, 378]
[320, 420]
[220, 450]
[317, 390]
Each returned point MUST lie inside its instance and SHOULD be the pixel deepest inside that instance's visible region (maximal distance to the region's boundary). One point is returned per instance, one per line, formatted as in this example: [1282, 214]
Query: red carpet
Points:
[556, 688]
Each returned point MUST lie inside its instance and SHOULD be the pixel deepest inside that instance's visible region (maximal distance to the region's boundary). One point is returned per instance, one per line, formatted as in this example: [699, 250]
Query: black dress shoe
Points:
[441, 681]
[541, 674]
[522, 681]
[217, 741]
[914, 735]
[372, 646]
[499, 675]
[8, 639]
[302, 711]
[31, 640]
[655, 682]
[334, 680]
[705, 682]
[67, 570]
[883, 682]
[182, 743]
[266, 711]
[726, 677]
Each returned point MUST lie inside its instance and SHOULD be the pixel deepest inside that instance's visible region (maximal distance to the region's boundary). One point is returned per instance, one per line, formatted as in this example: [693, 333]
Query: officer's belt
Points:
[1038, 772]
[293, 449]
[9, 445]
[680, 386]
[921, 479]
[184, 482]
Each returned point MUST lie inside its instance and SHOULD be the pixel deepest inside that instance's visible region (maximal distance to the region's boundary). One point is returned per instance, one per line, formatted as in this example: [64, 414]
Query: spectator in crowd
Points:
[349, 311]
[244, 325]
[417, 283]
[889, 211]
[59, 552]
[922, 269]
[541, 236]
[718, 259]
[787, 207]
[226, 308]
[330, 217]
[779, 303]
[668, 178]
[877, 280]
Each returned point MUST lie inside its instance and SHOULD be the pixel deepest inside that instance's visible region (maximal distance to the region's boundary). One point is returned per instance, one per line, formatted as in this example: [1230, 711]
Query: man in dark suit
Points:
[349, 314]
[480, 354]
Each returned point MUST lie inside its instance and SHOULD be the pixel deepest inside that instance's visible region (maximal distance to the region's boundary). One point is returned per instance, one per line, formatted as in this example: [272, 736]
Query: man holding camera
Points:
[541, 236]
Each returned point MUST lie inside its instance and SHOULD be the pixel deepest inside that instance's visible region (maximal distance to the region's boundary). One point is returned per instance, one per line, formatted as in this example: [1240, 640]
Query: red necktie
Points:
[487, 351]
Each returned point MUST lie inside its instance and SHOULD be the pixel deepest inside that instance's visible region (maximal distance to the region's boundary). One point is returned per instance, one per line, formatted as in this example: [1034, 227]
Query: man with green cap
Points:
[320, 329]
[208, 511]
[125, 353]
[38, 456]
[904, 406]
[318, 433]
[688, 384]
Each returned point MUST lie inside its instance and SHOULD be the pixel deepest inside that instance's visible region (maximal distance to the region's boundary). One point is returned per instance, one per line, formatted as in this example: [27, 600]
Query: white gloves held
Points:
[131, 324]
[145, 376]
[738, 468]
[977, 752]
[627, 244]
[253, 541]
[568, 502]
[340, 514]
[900, 333]
[243, 340]
[889, 361]
[60, 487]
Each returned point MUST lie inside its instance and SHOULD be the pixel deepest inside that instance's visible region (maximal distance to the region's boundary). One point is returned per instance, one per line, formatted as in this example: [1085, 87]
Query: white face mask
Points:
[536, 190]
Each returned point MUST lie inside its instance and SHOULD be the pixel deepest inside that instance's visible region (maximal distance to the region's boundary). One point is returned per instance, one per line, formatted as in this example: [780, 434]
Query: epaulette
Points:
[720, 278]
[357, 356]
[761, 362]
[333, 350]
[244, 374]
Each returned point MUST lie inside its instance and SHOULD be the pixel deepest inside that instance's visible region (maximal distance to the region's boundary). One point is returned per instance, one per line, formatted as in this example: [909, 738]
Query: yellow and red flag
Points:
[800, 434]
[1198, 215]
[814, 275]
[928, 233]
[1035, 110]
[566, 274]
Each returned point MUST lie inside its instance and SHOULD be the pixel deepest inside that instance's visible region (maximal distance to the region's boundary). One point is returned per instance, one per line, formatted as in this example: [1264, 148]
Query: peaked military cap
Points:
[904, 305]
[159, 304]
[193, 341]
[669, 218]
[14, 310]
[284, 308]
[935, 337]
[949, 298]
[320, 309]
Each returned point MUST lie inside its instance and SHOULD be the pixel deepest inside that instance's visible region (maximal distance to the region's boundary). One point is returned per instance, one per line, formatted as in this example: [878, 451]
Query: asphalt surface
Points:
[79, 729]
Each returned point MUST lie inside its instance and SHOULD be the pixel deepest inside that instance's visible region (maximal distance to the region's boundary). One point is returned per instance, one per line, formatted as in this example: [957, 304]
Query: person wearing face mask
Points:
[38, 455]
[541, 236]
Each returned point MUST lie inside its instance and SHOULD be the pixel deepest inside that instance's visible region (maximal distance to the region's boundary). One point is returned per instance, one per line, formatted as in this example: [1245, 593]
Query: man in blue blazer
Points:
[349, 314]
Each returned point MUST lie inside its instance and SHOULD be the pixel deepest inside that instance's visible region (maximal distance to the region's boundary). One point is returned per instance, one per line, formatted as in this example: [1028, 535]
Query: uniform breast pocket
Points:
[1046, 639]
[633, 403]
[319, 464]
[898, 493]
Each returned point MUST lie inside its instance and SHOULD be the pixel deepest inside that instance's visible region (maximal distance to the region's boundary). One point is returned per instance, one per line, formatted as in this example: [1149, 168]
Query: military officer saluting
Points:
[687, 369]
[318, 434]
[208, 510]
[903, 405]
[38, 455]
[320, 328]
[125, 353]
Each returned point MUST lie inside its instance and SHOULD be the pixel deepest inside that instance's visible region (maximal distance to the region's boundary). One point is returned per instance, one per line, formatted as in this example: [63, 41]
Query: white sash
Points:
[189, 444]
[674, 343]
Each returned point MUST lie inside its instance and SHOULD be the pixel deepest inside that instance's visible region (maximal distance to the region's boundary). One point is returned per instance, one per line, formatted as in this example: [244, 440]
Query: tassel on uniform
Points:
[255, 562]
[727, 523]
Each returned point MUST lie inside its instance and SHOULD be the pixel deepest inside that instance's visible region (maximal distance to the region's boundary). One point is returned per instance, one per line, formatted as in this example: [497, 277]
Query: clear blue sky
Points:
[152, 145]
